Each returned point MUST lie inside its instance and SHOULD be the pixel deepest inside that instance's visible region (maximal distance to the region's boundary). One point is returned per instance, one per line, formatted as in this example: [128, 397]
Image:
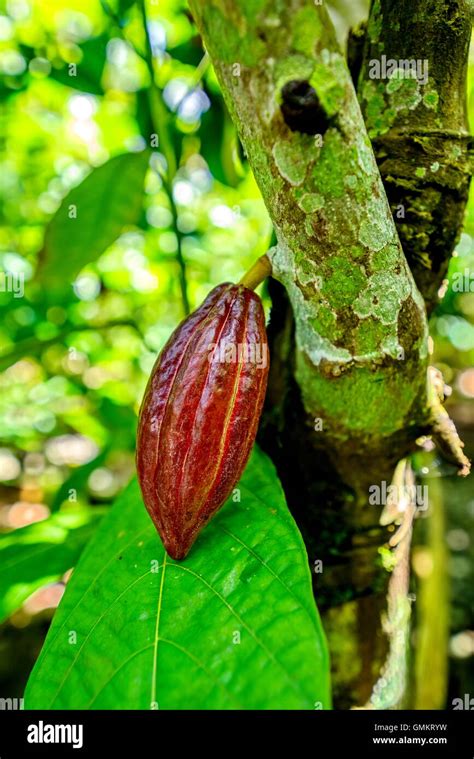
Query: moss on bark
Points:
[360, 322]
[411, 83]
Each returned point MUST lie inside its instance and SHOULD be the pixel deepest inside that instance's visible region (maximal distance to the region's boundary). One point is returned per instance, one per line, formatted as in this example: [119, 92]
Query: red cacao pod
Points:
[200, 413]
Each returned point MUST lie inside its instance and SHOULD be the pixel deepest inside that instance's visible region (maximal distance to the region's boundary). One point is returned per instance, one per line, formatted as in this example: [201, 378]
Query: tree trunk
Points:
[348, 330]
[419, 128]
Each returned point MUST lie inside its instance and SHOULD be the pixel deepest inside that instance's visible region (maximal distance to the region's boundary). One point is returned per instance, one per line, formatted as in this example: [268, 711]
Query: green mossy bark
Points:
[348, 329]
[360, 322]
[419, 127]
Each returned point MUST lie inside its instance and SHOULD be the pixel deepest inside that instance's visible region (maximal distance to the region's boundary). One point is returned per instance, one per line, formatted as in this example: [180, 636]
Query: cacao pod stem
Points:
[261, 269]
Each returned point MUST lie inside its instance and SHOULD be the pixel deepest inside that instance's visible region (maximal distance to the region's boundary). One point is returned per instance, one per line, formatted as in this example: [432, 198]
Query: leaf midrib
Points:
[295, 686]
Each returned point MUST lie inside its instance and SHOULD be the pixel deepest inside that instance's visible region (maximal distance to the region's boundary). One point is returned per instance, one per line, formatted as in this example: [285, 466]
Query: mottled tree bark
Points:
[348, 330]
[360, 322]
[417, 120]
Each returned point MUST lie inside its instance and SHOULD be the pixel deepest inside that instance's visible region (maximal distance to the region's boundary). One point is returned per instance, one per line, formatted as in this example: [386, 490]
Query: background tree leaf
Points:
[107, 200]
[189, 52]
[77, 480]
[220, 143]
[124, 6]
[87, 75]
[33, 556]
[234, 626]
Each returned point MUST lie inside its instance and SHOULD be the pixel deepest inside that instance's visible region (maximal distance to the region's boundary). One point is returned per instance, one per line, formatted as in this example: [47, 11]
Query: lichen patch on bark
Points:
[338, 253]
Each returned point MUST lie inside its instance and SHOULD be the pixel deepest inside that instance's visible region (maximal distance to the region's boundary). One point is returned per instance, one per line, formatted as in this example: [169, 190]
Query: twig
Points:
[389, 689]
[261, 269]
[442, 427]
[160, 118]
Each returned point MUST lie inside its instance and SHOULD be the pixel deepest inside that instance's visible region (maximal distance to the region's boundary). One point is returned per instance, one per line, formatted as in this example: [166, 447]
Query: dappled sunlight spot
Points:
[47, 203]
[133, 258]
[168, 242]
[23, 513]
[117, 52]
[71, 171]
[25, 370]
[12, 262]
[12, 63]
[87, 286]
[174, 93]
[422, 561]
[75, 362]
[39, 67]
[458, 540]
[72, 450]
[124, 71]
[465, 383]
[87, 131]
[95, 377]
[82, 106]
[461, 646]
[184, 193]
[10, 467]
[102, 482]
[154, 181]
[193, 106]
[457, 330]
[159, 217]
[135, 144]
[189, 103]
[222, 216]
[157, 34]
[6, 28]
[53, 388]
[198, 172]
[144, 281]
[47, 597]
[187, 222]
[44, 421]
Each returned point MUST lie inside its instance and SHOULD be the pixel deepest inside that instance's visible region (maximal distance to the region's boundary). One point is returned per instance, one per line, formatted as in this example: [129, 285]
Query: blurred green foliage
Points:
[102, 290]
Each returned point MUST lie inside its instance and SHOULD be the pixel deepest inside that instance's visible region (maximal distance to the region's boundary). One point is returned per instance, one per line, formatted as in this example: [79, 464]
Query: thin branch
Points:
[442, 427]
[179, 257]
[261, 269]
[161, 119]
[390, 689]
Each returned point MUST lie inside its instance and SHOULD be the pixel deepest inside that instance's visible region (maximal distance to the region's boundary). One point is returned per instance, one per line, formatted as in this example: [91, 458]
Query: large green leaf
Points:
[41, 553]
[234, 626]
[92, 216]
